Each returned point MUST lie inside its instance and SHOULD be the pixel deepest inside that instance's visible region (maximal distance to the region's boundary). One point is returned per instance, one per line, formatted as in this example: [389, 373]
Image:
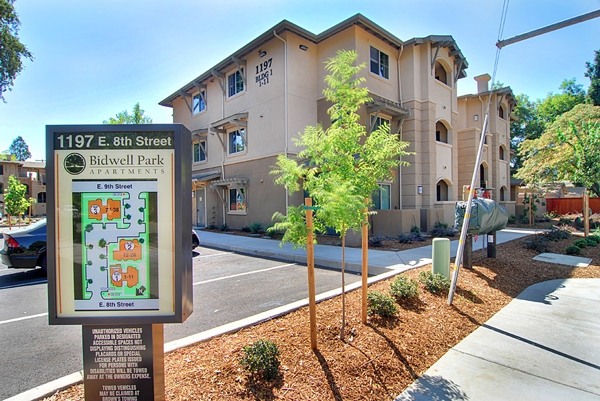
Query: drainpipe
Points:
[285, 106]
[223, 154]
[400, 128]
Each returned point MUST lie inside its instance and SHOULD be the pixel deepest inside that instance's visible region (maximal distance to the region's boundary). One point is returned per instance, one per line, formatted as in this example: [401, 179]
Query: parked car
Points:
[195, 240]
[25, 248]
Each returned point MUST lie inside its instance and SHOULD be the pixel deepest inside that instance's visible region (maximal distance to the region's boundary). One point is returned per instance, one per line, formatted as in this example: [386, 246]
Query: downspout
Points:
[400, 129]
[223, 154]
[285, 106]
[481, 137]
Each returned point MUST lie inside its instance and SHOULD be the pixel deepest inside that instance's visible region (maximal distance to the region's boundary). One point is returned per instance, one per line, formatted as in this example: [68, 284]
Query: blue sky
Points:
[94, 58]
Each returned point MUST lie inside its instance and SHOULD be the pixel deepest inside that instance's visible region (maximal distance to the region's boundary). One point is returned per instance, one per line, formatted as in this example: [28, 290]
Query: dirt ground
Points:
[377, 360]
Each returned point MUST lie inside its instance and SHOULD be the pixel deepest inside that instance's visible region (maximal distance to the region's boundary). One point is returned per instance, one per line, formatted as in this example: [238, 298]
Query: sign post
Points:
[119, 247]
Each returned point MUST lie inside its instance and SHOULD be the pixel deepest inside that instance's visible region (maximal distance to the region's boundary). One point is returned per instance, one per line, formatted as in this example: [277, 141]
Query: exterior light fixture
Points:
[262, 53]
[476, 117]
[420, 190]
[303, 47]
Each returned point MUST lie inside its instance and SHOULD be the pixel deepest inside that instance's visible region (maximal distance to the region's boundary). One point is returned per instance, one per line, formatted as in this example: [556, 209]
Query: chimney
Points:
[482, 82]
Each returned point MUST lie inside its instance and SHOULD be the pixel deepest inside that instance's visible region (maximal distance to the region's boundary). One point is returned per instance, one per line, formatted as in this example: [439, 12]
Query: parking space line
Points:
[244, 274]
[216, 254]
[23, 318]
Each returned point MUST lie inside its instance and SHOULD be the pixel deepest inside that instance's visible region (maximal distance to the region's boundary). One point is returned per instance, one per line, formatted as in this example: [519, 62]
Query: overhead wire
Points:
[463, 234]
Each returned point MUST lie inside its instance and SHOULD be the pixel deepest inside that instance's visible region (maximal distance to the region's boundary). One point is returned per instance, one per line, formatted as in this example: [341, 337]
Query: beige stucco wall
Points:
[393, 222]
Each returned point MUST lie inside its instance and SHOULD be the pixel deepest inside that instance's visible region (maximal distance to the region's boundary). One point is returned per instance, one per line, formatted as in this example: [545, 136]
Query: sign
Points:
[118, 363]
[119, 240]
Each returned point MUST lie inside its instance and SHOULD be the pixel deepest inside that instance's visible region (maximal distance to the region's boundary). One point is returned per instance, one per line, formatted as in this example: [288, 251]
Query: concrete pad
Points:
[544, 345]
[567, 260]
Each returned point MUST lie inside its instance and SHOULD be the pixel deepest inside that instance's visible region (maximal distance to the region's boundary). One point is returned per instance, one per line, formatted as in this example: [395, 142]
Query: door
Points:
[201, 207]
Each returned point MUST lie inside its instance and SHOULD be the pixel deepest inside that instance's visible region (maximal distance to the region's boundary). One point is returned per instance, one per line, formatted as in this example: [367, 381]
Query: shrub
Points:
[246, 229]
[261, 358]
[537, 242]
[381, 304]
[434, 283]
[255, 227]
[415, 229]
[591, 242]
[581, 243]
[558, 234]
[401, 287]
[410, 238]
[224, 227]
[573, 250]
[376, 240]
[441, 230]
[594, 238]
[512, 219]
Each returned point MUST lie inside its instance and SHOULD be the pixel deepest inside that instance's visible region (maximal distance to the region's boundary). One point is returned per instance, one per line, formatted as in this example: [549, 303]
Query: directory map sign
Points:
[119, 240]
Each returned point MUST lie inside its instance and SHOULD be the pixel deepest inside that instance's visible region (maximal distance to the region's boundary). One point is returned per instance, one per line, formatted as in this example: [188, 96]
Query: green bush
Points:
[557, 234]
[376, 240]
[415, 229]
[410, 238]
[401, 287]
[536, 242]
[591, 242]
[594, 238]
[441, 230]
[434, 283]
[381, 304]
[512, 219]
[581, 243]
[224, 227]
[261, 358]
[256, 227]
[573, 250]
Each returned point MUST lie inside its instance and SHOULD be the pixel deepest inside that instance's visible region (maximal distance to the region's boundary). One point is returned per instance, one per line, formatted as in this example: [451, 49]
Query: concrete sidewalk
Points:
[544, 345]
[380, 262]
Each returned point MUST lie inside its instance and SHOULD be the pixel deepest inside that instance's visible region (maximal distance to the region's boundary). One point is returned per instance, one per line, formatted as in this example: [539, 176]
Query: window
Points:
[199, 151]
[502, 194]
[441, 132]
[380, 63]
[237, 199]
[1, 169]
[198, 104]
[235, 82]
[442, 191]
[501, 112]
[440, 73]
[382, 197]
[379, 121]
[502, 153]
[41, 197]
[237, 141]
[1, 188]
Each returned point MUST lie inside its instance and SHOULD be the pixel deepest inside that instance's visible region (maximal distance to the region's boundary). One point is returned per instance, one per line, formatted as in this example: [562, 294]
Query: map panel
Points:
[115, 251]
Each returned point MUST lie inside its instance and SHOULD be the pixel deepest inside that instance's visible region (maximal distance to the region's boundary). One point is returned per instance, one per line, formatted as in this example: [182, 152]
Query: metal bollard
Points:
[440, 250]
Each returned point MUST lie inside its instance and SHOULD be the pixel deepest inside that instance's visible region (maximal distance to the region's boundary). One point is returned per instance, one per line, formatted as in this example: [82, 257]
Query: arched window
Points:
[441, 191]
[503, 194]
[41, 197]
[501, 112]
[1, 188]
[501, 153]
[441, 132]
[440, 73]
[482, 176]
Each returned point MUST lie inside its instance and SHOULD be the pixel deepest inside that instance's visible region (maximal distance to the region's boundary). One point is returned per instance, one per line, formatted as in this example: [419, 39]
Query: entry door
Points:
[201, 207]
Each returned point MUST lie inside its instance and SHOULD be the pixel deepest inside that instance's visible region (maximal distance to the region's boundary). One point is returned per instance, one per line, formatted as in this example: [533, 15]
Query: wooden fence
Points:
[570, 205]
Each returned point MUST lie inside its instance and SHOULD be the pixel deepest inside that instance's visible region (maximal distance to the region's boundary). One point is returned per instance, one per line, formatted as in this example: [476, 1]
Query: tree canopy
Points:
[15, 199]
[12, 51]
[593, 73]
[569, 150]
[19, 149]
[136, 117]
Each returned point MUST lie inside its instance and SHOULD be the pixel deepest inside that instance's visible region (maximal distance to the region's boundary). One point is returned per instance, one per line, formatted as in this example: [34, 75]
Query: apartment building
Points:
[245, 111]
[33, 175]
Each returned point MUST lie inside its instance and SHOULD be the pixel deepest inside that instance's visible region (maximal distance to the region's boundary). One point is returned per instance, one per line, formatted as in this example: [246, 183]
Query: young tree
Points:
[593, 73]
[15, 198]
[123, 117]
[341, 165]
[19, 149]
[12, 51]
[568, 150]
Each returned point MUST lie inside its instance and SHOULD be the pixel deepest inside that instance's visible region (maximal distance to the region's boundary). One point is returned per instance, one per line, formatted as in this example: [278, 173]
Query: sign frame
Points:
[101, 144]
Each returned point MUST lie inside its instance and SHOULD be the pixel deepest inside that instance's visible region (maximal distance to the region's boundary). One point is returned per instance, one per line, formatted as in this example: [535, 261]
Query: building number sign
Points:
[263, 72]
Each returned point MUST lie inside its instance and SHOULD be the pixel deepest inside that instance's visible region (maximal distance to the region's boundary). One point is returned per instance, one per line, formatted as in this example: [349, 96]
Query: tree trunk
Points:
[343, 329]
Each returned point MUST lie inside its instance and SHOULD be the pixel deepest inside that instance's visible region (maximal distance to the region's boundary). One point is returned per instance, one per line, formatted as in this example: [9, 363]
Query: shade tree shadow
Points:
[433, 388]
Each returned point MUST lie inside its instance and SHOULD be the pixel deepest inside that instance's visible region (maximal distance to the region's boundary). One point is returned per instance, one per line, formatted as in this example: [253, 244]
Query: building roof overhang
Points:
[444, 41]
[285, 26]
[388, 107]
[230, 183]
[207, 175]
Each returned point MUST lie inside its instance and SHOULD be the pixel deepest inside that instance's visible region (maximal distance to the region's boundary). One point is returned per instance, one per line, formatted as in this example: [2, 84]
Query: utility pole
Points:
[559, 25]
